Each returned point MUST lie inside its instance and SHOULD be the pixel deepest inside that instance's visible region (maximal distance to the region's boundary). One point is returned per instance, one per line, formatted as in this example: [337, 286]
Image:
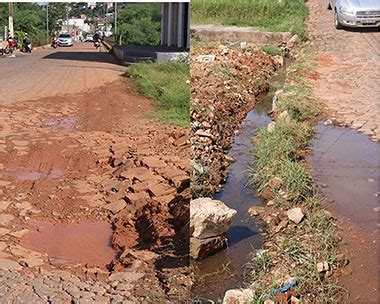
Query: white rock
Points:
[271, 127]
[209, 218]
[238, 296]
[205, 58]
[295, 215]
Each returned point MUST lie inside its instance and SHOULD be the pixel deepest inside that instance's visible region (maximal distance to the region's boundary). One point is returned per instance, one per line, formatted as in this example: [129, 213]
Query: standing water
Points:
[225, 270]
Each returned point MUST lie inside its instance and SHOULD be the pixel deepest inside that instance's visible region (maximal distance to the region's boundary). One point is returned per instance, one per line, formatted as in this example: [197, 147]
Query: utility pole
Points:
[115, 30]
[47, 19]
[10, 19]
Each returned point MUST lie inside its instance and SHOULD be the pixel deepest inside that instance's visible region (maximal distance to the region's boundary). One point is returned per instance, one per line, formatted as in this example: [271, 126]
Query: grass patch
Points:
[168, 85]
[269, 15]
[272, 50]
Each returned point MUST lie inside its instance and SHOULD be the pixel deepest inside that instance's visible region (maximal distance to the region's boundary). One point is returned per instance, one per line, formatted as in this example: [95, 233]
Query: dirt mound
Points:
[222, 92]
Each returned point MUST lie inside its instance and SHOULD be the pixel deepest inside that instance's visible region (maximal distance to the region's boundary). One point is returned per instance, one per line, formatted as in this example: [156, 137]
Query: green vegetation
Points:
[270, 15]
[31, 18]
[272, 50]
[168, 85]
[279, 151]
[139, 24]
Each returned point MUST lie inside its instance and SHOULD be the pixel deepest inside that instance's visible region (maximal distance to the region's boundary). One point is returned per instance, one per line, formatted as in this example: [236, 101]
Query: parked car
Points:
[65, 40]
[89, 38]
[350, 13]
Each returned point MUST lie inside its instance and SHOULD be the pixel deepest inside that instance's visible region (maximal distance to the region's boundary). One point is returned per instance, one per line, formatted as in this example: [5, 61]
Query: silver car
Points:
[355, 13]
[65, 40]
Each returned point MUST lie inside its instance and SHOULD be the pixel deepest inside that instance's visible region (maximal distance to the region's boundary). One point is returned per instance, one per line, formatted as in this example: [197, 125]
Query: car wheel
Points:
[338, 25]
[328, 5]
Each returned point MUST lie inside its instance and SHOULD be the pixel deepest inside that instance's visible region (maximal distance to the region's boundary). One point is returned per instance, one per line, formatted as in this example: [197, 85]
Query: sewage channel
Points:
[226, 269]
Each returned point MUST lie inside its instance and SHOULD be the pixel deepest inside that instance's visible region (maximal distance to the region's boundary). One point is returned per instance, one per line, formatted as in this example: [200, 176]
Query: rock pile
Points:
[209, 222]
[222, 92]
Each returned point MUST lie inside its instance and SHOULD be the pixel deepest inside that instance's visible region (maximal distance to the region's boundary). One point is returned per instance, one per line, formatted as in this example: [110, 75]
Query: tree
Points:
[28, 17]
[57, 13]
[140, 23]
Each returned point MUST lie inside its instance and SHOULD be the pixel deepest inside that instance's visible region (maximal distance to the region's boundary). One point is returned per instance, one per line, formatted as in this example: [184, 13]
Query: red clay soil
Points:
[97, 158]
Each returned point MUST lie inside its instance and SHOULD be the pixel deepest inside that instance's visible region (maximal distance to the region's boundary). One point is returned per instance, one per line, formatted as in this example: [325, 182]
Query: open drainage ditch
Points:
[225, 270]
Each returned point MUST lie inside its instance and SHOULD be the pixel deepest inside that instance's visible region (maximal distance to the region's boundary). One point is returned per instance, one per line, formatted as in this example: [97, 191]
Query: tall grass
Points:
[270, 15]
[167, 84]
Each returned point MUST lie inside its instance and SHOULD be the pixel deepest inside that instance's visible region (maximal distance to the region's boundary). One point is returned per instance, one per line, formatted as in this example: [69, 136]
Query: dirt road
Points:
[92, 192]
[348, 68]
[346, 162]
[48, 72]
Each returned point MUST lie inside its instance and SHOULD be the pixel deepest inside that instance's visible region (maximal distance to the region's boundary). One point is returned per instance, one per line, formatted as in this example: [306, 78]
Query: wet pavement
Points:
[346, 166]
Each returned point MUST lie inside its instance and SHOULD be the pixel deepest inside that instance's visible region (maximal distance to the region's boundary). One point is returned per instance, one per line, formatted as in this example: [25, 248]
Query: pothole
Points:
[67, 124]
[28, 175]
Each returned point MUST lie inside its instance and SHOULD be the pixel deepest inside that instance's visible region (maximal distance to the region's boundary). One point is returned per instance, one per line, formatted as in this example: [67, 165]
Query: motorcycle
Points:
[54, 43]
[11, 46]
[26, 47]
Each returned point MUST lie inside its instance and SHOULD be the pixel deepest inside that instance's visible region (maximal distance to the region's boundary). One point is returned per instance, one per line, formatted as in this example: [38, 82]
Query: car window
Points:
[64, 36]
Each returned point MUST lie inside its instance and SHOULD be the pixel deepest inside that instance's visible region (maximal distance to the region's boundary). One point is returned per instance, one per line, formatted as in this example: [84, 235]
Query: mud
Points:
[77, 164]
[87, 242]
[346, 165]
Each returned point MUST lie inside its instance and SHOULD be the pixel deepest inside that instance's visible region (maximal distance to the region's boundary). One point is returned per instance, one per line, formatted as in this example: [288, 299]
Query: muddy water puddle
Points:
[67, 124]
[225, 270]
[346, 163]
[87, 242]
[25, 174]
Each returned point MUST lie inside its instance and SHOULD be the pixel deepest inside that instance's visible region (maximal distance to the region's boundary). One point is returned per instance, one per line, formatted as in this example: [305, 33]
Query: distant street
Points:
[48, 72]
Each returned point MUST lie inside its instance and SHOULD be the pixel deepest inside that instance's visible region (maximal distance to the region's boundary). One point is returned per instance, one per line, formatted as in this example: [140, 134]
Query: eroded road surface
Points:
[93, 193]
[345, 162]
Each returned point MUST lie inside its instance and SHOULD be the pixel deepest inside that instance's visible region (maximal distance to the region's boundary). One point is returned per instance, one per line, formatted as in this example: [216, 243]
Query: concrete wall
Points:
[238, 34]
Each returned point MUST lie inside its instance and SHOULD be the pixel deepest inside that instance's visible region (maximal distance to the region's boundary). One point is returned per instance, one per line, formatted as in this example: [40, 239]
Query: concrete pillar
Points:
[175, 24]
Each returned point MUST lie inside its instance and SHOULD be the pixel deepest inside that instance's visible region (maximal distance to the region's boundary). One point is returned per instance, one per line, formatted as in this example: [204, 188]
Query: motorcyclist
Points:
[11, 43]
[96, 39]
[54, 42]
[26, 43]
